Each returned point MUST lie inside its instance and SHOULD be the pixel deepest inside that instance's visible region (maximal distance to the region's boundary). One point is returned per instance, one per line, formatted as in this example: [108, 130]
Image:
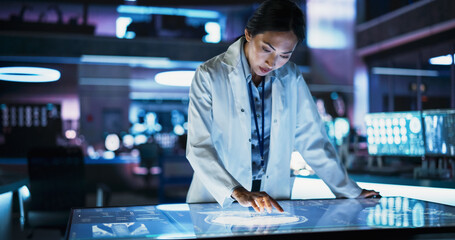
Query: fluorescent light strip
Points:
[442, 60]
[175, 78]
[147, 62]
[194, 13]
[29, 74]
[106, 59]
[41, 59]
[404, 72]
[170, 95]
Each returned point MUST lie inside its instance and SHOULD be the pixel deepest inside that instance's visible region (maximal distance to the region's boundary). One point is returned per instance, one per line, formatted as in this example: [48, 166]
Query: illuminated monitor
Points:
[395, 134]
[299, 219]
[439, 132]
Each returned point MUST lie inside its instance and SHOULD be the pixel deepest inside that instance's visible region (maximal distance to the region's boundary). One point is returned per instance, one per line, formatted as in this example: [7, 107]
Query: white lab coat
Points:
[219, 133]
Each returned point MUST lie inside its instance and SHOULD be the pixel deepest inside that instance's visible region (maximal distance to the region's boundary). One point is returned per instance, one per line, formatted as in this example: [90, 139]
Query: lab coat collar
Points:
[232, 54]
[244, 62]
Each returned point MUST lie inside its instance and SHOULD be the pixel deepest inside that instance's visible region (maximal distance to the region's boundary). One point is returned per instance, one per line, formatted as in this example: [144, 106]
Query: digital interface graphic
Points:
[189, 221]
[395, 133]
[252, 219]
[439, 132]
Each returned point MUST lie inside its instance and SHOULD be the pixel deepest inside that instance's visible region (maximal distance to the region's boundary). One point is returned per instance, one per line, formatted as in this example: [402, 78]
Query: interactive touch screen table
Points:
[340, 218]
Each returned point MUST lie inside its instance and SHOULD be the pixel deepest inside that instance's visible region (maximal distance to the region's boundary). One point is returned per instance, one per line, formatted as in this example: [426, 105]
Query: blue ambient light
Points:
[404, 72]
[175, 78]
[134, 61]
[442, 60]
[29, 74]
[213, 30]
[121, 26]
[193, 13]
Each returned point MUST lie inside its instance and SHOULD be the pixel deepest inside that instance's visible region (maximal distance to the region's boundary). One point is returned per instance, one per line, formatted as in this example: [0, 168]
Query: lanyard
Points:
[261, 140]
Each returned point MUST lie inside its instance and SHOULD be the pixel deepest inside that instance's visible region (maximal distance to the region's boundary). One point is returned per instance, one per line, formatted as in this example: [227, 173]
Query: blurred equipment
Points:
[57, 184]
[164, 22]
[18, 22]
[150, 153]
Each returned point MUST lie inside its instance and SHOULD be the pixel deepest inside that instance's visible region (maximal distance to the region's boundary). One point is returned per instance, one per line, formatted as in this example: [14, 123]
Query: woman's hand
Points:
[257, 200]
[369, 194]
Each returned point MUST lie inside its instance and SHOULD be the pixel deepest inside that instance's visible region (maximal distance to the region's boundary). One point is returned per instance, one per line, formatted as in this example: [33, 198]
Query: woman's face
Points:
[269, 51]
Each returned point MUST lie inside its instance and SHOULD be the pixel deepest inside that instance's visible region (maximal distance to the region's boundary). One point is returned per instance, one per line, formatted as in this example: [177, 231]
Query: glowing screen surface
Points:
[187, 221]
[439, 132]
[395, 134]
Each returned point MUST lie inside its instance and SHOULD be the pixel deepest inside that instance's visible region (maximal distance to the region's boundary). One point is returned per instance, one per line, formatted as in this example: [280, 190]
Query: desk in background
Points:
[9, 183]
[119, 175]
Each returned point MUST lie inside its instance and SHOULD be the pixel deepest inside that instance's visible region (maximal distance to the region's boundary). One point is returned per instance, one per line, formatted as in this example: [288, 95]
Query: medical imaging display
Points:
[395, 134]
[439, 132]
[189, 221]
[27, 126]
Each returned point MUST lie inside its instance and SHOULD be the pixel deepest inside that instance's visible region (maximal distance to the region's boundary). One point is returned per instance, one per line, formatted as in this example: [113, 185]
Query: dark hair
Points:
[277, 15]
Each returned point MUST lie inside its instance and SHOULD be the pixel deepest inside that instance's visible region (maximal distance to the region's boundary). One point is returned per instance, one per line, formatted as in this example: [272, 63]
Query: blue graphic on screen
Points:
[395, 134]
[439, 132]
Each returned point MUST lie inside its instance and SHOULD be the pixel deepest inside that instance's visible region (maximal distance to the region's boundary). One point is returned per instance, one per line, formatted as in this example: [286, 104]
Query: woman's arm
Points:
[312, 143]
[201, 152]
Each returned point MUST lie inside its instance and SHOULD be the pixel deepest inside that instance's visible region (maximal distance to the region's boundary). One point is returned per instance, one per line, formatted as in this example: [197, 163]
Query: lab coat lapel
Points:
[278, 102]
[278, 96]
[238, 86]
[239, 91]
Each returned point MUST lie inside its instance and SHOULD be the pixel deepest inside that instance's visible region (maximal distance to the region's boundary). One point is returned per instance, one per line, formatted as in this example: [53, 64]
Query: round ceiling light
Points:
[29, 74]
[175, 78]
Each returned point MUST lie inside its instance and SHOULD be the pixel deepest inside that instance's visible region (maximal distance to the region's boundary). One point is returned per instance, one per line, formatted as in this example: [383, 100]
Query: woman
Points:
[249, 110]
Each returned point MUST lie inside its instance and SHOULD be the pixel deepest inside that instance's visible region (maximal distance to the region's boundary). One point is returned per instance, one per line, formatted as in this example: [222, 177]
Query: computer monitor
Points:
[300, 219]
[395, 134]
[439, 132]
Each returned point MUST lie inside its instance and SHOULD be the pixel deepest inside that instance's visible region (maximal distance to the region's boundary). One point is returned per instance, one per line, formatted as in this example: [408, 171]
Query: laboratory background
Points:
[94, 100]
